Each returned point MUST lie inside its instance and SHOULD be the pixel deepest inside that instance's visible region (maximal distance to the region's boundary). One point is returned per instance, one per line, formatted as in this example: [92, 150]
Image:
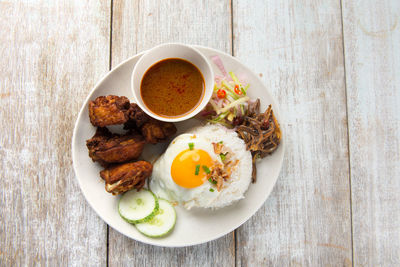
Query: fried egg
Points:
[180, 174]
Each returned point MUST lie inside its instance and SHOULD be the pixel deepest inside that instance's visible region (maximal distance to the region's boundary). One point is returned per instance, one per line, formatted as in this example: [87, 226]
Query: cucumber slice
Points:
[162, 224]
[137, 207]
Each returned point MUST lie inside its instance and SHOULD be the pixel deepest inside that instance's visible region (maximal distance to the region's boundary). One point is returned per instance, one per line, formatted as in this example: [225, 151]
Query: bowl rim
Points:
[207, 90]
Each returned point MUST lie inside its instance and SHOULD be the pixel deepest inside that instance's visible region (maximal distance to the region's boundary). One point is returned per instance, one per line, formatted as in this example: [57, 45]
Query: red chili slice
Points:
[221, 93]
[237, 90]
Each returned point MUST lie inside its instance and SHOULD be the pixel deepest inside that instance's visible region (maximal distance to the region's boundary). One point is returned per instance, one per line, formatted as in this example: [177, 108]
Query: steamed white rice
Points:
[234, 188]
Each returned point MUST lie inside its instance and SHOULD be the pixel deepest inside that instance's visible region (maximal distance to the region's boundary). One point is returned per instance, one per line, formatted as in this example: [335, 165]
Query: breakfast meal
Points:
[209, 166]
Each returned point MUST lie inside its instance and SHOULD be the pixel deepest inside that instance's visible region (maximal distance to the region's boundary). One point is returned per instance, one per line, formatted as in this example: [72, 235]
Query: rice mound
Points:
[233, 189]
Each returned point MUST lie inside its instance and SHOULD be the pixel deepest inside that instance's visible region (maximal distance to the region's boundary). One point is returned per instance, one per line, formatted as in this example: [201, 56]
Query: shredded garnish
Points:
[229, 102]
[260, 132]
[222, 172]
[217, 147]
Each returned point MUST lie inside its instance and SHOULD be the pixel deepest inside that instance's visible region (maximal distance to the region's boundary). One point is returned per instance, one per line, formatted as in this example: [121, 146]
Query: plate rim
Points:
[104, 77]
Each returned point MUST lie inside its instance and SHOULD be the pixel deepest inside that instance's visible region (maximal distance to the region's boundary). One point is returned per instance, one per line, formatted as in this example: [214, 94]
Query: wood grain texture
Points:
[52, 54]
[140, 25]
[372, 55]
[296, 47]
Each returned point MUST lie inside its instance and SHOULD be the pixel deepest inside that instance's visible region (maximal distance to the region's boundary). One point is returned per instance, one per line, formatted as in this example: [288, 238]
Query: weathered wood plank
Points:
[52, 54]
[372, 55]
[296, 47]
[140, 25]
[137, 26]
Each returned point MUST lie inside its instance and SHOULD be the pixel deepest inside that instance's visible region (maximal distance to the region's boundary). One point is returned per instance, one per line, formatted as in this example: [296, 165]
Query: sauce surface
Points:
[172, 87]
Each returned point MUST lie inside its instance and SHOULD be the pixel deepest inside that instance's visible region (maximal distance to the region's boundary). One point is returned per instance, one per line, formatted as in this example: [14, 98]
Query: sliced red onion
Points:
[218, 79]
[217, 61]
[206, 113]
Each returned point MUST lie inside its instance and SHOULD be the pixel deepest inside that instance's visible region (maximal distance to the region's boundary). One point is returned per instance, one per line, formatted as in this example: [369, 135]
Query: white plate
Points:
[194, 226]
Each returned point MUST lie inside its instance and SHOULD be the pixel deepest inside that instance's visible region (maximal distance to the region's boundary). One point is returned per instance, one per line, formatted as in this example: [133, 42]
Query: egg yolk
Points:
[183, 168]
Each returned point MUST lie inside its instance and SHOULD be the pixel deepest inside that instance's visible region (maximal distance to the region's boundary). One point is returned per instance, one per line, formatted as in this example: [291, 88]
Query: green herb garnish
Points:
[221, 142]
[196, 172]
[191, 146]
[211, 190]
[212, 181]
[223, 156]
[206, 169]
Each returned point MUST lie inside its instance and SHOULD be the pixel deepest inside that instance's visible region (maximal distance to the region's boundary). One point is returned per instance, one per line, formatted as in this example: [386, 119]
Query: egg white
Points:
[162, 183]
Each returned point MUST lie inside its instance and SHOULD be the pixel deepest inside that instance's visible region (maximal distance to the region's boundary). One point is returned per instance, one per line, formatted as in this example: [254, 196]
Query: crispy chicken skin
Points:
[109, 110]
[153, 131]
[157, 131]
[137, 115]
[105, 147]
[123, 177]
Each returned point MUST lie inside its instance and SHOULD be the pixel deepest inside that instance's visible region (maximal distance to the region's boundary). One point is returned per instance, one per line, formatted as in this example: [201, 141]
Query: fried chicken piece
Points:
[105, 147]
[109, 110]
[154, 131]
[137, 115]
[101, 136]
[123, 177]
[157, 131]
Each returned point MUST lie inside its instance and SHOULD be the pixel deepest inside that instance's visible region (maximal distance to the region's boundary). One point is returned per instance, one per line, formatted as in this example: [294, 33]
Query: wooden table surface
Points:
[334, 67]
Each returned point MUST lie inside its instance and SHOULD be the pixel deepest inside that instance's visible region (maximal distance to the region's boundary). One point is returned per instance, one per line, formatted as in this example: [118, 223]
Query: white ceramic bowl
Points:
[172, 50]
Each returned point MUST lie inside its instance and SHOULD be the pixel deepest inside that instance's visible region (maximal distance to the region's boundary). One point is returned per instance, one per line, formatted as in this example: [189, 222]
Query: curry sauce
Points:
[172, 87]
